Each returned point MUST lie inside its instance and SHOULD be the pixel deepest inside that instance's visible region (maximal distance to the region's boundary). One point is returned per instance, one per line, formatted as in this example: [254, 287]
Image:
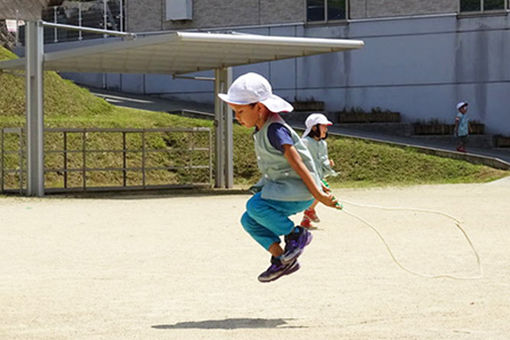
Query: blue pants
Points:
[266, 220]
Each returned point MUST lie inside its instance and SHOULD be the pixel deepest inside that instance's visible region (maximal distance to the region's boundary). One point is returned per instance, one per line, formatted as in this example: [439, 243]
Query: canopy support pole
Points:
[224, 146]
[34, 108]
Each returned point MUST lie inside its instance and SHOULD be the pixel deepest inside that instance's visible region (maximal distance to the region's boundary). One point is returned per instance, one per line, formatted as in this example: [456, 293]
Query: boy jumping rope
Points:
[314, 138]
[289, 180]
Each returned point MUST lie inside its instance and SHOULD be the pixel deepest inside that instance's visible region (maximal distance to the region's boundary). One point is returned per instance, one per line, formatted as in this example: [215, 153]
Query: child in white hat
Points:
[461, 130]
[314, 138]
[289, 181]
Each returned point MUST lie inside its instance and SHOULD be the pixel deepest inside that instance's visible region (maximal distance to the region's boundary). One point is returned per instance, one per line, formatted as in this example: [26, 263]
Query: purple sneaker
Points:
[295, 243]
[277, 269]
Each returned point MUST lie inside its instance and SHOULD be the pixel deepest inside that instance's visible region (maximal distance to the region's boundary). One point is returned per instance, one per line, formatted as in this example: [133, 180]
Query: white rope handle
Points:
[457, 224]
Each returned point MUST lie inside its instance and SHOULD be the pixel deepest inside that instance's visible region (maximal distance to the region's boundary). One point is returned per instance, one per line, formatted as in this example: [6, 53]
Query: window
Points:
[179, 10]
[326, 10]
[481, 5]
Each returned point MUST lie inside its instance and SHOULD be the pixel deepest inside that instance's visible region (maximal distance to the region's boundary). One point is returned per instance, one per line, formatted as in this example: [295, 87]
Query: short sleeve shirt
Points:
[278, 136]
[463, 129]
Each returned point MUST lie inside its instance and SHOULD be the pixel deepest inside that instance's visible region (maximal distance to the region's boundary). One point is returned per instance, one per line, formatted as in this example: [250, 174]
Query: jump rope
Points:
[340, 207]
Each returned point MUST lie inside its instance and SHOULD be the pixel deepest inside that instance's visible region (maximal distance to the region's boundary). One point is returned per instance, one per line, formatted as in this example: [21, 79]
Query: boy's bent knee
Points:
[254, 205]
[246, 222]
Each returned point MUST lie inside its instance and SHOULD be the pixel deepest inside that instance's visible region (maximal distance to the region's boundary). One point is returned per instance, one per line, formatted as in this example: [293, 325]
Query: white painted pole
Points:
[80, 37]
[224, 134]
[219, 178]
[55, 30]
[105, 18]
[17, 28]
[121, 16]
[229, 134]
[34, 47]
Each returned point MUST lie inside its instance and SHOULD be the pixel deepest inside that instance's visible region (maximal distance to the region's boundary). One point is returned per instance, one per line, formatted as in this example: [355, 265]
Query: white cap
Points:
[252, 88]
[461, 104]
[314, 119]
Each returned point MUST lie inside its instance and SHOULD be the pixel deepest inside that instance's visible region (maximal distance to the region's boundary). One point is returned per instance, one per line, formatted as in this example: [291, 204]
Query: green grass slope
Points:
[362, 163]
[67, 105]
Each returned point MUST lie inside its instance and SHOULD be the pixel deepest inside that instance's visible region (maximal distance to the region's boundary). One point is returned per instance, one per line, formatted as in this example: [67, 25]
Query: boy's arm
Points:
[455, 131]
[300, 168]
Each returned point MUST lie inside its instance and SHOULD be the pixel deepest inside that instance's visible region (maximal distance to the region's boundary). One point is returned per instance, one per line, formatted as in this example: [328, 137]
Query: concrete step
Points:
[399, 130]
[396, 129]
[478, 141]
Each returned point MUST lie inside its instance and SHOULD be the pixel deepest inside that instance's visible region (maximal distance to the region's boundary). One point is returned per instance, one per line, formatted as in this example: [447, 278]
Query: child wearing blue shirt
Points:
[461, 130]
[289, 182]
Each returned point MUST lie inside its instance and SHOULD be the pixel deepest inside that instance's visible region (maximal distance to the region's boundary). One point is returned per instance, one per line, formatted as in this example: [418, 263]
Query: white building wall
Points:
[420, 67]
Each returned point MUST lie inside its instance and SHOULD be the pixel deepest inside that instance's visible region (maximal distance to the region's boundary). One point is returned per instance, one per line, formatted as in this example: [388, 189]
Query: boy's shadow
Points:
[236, 323]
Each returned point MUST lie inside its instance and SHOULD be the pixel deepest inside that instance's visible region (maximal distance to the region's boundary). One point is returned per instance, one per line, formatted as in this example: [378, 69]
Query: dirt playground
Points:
[182, 267]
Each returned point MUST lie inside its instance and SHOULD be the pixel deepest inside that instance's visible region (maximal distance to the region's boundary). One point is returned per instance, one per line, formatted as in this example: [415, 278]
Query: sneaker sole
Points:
[312, 227]
[291, 269]
[294, 268]
[309, 239]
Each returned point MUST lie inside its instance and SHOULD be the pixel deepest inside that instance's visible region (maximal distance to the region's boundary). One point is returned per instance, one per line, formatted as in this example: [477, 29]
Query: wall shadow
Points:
[235, 323]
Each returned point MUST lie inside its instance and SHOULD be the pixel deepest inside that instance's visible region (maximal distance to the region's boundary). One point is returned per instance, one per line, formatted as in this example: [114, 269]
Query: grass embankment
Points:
[361, 163]
[67, 105]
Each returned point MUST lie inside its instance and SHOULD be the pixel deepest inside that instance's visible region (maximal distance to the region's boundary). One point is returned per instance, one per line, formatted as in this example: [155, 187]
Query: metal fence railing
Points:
[11, 152]
[101, 14]
[111, 159]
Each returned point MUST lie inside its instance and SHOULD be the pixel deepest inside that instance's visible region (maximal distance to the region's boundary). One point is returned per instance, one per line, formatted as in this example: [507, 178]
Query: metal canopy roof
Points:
[185, 52]
[174, 53]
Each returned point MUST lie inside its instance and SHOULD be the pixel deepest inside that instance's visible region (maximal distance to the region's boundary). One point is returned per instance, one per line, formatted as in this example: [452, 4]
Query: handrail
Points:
[185, 171]
[90, 30]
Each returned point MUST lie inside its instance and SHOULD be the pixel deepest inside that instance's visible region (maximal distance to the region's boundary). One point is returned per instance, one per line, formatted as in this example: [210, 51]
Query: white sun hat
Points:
[252, 88]
[461, 104]
[314, 119]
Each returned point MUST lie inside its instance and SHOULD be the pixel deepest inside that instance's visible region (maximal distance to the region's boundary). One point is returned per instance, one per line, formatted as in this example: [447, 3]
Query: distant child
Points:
[289, 180]
[461, 126]
[314, 138]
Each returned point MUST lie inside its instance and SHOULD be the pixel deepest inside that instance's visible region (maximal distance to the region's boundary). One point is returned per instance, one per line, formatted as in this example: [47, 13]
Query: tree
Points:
[6, 38]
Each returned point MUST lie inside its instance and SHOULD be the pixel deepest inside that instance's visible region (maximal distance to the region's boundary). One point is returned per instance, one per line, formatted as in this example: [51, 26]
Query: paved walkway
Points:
[501, 153]
[152, 103]
[496, 157]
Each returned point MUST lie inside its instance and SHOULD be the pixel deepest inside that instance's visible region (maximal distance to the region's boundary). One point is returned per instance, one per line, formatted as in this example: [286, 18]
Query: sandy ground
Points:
[183, 268]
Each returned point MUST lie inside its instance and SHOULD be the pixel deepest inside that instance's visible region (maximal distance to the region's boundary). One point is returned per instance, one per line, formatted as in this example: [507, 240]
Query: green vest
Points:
[280, 182]
[319, 151]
